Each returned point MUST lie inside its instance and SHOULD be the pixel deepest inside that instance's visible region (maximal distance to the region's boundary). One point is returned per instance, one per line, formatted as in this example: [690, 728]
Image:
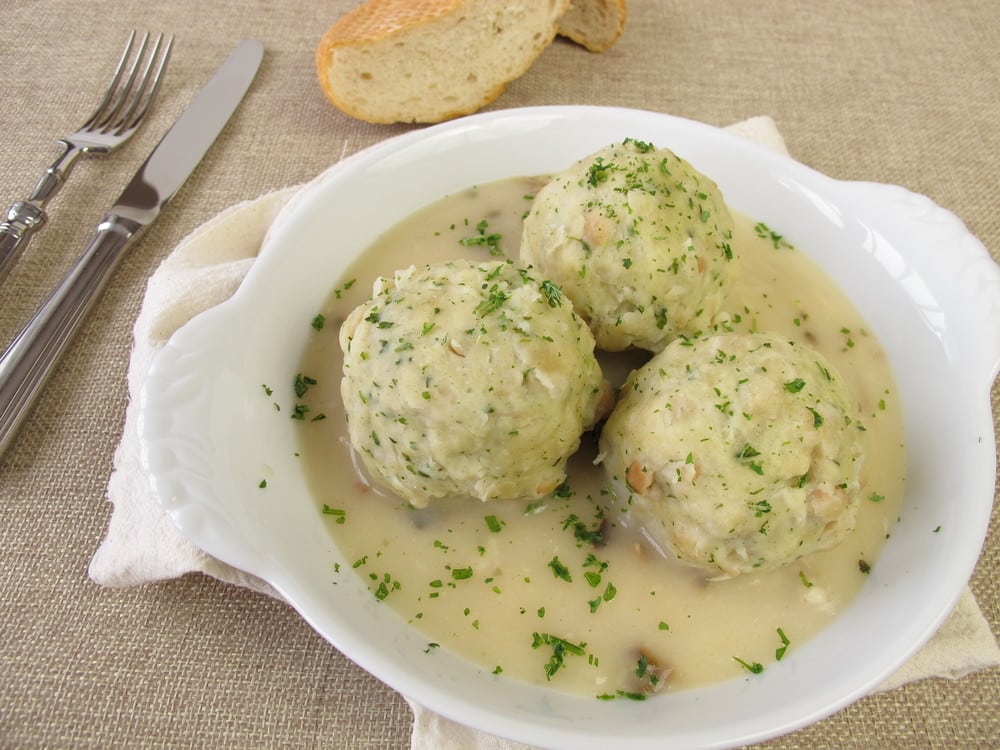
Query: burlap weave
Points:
[903, 92]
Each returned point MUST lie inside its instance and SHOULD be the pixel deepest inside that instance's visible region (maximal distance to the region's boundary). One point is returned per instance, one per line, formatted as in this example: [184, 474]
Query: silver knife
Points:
[32, 355]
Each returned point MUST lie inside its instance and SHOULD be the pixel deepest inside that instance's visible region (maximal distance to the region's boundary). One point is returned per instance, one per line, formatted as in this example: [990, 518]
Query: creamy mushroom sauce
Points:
[519, 588]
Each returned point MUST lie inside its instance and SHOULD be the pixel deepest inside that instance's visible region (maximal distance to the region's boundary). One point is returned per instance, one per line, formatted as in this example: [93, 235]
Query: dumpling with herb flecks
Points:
[465, 379]
[639, 240]
[736, 452]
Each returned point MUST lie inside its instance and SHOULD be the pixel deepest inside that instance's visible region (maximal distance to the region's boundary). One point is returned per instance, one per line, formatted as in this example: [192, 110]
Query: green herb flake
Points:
[766, 233]
[491, 240]
[626, 694]
[751, 667]
[339, 291]
[494, 524]
[599, 172]
[779, 652]
[461, 574]
[493, 302]
[794, 386]
[302, 384]
[552, 292]
[560, 648]
[339, 514]
[560, 570]
[745, 455]
[318, 322]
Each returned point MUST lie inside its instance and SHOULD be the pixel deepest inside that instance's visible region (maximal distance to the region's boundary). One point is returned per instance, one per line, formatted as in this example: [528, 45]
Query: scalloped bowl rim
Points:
[207, 436]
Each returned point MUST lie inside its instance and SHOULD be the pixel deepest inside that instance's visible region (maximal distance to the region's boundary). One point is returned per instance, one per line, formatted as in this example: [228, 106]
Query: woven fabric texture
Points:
[902, 92]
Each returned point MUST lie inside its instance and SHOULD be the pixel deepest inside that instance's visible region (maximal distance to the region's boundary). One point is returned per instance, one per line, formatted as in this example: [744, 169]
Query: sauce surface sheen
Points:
[518, 587]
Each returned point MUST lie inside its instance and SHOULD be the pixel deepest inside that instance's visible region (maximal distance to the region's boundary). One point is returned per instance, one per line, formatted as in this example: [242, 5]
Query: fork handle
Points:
[32, 356]
[26, 217]
[23, 219]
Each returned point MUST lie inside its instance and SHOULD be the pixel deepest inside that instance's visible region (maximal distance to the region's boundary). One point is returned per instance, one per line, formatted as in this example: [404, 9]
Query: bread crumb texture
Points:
[425, 61]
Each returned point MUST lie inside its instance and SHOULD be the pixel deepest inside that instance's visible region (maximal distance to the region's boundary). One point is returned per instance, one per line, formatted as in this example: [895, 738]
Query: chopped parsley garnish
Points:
[490, 241]
[780, 651]
[560, 570]
[794, 386]
[493, 302]
[339, 291]
[643, 147]
[583, 534]
[302, 384]
[766, 233]
[745, 455]
[318, 322]
[386, 586]
[560, 647]
[609, 593]
[628, 694]
[552, 293]
[599, 172]
[338, 513]
[494, 524]
[753, 668]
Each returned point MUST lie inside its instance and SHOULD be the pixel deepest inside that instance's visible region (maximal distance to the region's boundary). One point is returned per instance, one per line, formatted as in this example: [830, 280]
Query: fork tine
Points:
[147, 89]
[113, 86]
[122, 94]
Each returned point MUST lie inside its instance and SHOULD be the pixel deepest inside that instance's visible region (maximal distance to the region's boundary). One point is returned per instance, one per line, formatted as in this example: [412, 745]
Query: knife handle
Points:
[31, 357]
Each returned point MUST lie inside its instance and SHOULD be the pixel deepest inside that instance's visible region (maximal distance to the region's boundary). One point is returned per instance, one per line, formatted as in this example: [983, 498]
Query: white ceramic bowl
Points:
[926, 286]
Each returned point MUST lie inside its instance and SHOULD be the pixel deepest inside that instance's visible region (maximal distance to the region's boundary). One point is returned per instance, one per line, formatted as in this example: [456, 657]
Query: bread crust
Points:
[431, 60]
[594, 24]
[377, 20]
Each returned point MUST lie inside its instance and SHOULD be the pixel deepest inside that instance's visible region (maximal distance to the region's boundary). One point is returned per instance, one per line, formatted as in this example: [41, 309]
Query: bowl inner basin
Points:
[210, 438]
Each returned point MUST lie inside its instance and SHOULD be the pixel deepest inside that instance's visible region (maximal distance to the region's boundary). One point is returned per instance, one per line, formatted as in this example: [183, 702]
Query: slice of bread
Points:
[595, 24]
[431, 60]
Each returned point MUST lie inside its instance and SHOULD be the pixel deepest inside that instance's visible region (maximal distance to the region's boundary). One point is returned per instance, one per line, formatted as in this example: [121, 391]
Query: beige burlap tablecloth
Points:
[903, 93]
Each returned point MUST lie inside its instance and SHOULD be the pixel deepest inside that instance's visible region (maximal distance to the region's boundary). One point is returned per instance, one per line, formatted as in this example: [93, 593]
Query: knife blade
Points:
[34, 352]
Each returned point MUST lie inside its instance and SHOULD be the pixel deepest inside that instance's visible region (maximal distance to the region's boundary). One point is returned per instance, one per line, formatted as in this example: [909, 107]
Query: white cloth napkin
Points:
[142, 545]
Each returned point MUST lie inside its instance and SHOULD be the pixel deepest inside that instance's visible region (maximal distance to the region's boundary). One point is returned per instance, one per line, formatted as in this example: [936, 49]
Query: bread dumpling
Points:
[736, 452]
[639, 240]
[466, 379]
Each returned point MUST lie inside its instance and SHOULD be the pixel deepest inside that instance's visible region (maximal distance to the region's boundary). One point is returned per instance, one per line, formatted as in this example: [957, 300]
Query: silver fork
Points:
[123, 107]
